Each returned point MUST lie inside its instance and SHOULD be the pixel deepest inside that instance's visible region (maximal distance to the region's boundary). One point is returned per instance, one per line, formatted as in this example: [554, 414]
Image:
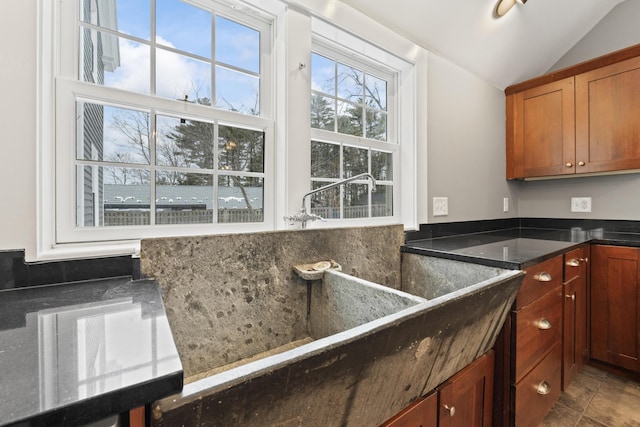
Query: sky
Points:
[189, 29]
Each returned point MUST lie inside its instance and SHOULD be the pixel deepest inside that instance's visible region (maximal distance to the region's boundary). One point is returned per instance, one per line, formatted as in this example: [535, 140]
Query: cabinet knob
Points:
[543, 276]
[581, 163]
[569, 165]
[451, 410]
[544, 324]
[572, 297]
[584, 259]
[574, 262]
[543, 388]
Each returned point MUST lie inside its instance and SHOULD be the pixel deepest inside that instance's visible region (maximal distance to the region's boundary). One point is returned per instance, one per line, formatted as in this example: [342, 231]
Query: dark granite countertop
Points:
[516, 247]
[77, 352]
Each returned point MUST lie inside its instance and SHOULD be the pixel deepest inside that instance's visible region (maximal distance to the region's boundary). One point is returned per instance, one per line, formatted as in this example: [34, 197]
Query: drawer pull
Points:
[543, 388]
[544, 324]
[572, 297]
[573, 262]
[584, 259]
[451, 410]
[543, 277]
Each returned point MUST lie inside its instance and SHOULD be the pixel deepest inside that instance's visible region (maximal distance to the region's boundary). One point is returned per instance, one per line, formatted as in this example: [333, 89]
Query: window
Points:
[165, 118]
[353, 132]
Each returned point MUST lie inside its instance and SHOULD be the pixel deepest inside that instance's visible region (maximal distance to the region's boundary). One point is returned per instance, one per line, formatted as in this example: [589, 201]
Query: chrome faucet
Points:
[303, 216]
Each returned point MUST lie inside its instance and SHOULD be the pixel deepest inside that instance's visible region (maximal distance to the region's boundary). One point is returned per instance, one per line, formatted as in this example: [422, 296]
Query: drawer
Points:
[540, 279]
[538, 391]
[575, 263]
[538, 327]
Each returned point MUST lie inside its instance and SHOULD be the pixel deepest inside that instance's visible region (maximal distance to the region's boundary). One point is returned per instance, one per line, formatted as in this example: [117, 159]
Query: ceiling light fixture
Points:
[505, 6]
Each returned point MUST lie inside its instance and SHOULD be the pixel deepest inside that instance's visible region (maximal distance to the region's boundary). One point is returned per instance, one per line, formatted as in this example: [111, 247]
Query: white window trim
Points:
[329, 38]
[287, 12]
[53, 194]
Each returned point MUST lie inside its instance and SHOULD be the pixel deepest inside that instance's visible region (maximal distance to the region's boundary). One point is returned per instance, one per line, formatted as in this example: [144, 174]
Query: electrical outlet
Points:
[505, 204]
[581, 204]
[440, 206]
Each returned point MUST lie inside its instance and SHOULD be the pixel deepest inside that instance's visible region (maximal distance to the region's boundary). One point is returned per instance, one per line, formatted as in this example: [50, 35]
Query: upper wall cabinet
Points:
[582, 119]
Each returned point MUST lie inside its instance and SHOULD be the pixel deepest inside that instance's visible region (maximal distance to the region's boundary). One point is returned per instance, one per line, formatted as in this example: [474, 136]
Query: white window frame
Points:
[347, 48]
[68, 88]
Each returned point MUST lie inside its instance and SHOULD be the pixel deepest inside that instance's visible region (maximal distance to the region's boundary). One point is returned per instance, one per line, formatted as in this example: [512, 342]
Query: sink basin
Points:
[437, 278]
[357, 353]
[337, 303]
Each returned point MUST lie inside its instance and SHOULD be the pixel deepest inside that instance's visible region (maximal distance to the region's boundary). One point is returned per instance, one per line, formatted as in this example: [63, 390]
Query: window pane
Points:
[237, 45]
[112, 196]
[183, 27]
[326, 203]
[376, 91]
[382, 165]
[237, 91]
[125, 16]
[240, 199]
[114, 61]
[240, 149]
[183, 198]
[112, 134]
[356, 201]
[382, 201]
[323, 74]
[355, 161]
[376, 125]
[184, 143]
[323, 113]
[325, 160]
[350, 81]
[178, 76]
[350, 119]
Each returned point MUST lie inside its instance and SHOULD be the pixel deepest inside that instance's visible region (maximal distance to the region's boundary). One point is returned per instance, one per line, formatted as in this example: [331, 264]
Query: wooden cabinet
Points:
[575, 350]
[466, 398]
[607, 111]
[615, 305]
[463, 400]
[421, 413]
[529, 349]
[536, 345]
[541, 131]
[582, 119]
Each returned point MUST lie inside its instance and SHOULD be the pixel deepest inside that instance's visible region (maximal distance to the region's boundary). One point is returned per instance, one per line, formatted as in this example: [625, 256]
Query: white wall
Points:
[18, 124]
[466, 145]
[613, 197]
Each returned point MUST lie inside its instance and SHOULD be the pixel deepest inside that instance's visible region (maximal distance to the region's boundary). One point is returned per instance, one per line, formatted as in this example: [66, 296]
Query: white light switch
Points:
[440, 206]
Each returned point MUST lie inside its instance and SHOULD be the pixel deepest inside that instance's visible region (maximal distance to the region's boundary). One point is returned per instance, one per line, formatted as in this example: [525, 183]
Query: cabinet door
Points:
[421, 413]
[541, 131]
[607, 111]
[615, 303]
[574, 313]
[466, 399]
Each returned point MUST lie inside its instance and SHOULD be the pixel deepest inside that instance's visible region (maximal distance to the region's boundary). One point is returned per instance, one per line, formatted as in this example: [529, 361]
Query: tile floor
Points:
[597, 398]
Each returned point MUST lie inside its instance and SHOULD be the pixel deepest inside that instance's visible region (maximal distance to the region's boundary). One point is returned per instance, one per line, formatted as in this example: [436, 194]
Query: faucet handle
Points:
[318, 217]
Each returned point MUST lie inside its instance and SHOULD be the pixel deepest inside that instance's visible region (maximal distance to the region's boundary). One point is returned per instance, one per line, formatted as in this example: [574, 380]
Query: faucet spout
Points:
[303, 216]
[339, 183]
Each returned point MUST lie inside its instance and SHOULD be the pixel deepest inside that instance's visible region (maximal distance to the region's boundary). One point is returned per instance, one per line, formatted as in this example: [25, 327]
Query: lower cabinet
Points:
[421, 413]
[463, 400]
[615, 305]
[575, 340]
[466, 399]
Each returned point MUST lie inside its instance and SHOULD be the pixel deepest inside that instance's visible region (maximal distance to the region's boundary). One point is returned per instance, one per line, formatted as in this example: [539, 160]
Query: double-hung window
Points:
[353, 131]
[164, 119]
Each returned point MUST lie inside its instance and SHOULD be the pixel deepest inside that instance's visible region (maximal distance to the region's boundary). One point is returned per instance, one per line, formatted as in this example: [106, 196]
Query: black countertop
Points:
[77, 352]
[517, 247]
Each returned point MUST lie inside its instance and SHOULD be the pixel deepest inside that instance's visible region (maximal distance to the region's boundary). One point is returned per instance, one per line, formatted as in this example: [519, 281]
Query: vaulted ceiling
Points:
[523, 44]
